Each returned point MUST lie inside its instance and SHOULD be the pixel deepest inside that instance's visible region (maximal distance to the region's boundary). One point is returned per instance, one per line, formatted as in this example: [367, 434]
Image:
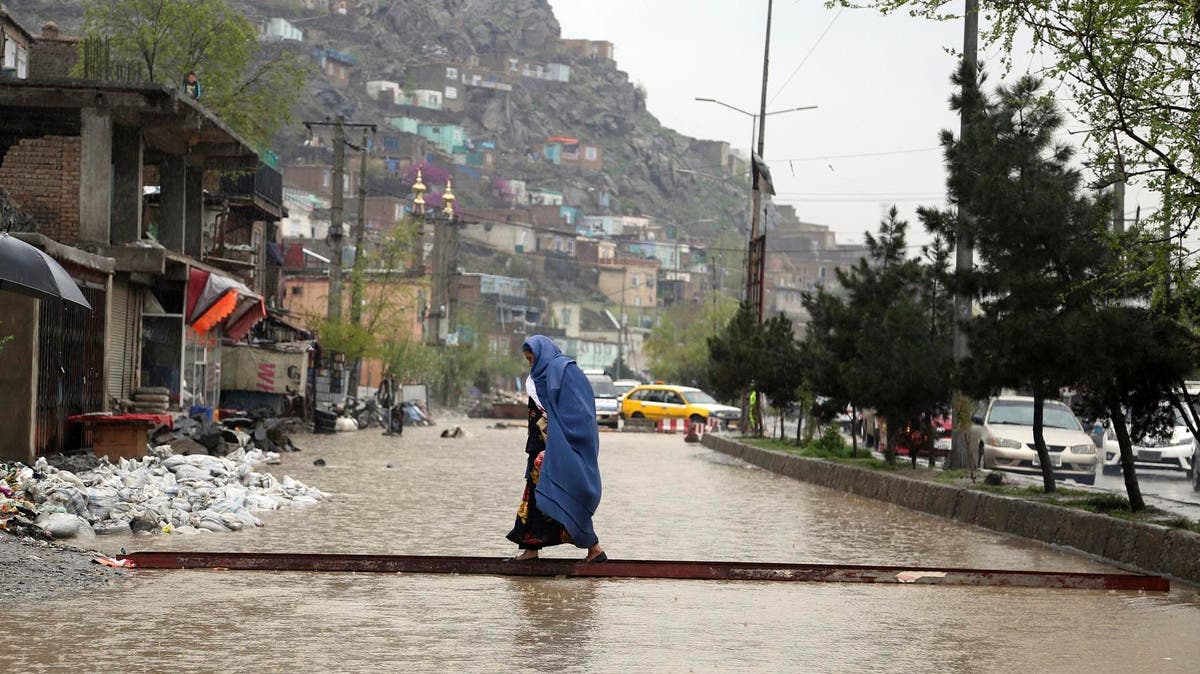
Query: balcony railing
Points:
[266, 184]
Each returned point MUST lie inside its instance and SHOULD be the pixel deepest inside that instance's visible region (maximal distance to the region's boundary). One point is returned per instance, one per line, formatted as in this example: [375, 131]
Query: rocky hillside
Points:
[598, 105]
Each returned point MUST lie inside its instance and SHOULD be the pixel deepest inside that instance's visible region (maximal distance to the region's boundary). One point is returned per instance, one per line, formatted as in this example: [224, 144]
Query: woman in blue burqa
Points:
[562, 477]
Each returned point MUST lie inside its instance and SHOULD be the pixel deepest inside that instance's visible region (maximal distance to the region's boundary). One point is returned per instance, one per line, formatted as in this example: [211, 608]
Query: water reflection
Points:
[557, 612]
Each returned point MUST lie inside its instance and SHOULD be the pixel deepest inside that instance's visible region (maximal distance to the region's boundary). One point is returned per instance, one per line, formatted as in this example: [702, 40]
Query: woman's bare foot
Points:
[526, 555]
[594, 552]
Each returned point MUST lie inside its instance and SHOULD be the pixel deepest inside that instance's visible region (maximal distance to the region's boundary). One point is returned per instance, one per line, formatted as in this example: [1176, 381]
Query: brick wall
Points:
[42, 176]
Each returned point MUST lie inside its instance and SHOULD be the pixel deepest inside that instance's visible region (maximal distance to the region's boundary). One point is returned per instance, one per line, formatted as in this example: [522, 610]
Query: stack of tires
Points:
[150, 400]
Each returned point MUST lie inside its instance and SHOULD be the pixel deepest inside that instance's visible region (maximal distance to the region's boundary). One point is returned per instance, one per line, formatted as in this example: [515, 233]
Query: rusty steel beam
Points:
[632, 568]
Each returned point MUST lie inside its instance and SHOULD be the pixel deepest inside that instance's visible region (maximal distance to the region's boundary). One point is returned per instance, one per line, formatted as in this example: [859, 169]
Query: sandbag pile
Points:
[163, 493]
[148, 400]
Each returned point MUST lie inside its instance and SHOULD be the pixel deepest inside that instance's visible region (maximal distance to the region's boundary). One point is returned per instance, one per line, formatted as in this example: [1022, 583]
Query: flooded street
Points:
[663, 499]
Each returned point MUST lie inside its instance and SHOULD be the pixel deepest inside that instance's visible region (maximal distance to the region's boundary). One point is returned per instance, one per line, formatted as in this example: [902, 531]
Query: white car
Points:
[1002, 430]
[1172, 451]
[608, 408]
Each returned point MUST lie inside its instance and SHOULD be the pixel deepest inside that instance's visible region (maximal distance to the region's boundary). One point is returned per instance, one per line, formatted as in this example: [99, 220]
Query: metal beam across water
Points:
[635, 568]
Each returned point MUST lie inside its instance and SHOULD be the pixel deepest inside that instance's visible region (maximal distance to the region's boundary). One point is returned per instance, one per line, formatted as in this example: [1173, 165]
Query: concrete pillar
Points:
[18, 375]
[172, 174]
[193, 217]
[127, 185]
[95, 176]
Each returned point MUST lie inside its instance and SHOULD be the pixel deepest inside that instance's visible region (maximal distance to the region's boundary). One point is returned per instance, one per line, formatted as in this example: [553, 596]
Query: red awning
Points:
[219, 301]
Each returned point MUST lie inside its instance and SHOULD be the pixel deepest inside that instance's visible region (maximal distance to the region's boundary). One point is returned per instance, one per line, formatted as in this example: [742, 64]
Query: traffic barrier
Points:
[672, 425]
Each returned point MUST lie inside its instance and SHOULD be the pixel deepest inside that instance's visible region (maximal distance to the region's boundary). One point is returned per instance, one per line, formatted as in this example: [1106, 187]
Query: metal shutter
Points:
[124, 340]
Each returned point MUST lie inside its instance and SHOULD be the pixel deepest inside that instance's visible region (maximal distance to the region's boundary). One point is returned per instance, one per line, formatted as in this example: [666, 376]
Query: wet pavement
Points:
[663, 499]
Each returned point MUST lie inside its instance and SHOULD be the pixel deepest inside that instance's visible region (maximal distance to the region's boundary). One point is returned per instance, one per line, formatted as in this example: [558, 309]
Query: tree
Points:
[1039, 242]
[1134, 355]
[876, 344]
[677, 350]
[782, 373]
[733, 353]
[250, 87]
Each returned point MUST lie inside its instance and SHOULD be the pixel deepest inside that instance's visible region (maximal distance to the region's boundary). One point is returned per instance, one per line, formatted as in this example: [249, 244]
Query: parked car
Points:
[667, 401]
[1002, 429]
[608, 409]
[1173, 450]
[914, 438]
[624, 386]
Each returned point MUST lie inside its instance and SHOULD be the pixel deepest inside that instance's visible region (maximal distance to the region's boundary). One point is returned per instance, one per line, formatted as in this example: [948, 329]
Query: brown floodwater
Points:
[663, 499]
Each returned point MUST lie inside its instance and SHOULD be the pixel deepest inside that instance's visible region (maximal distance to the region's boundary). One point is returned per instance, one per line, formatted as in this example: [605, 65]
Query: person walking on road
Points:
[562, 474]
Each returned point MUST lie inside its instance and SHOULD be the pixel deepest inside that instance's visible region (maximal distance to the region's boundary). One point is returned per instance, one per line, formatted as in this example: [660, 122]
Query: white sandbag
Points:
[64, 525]
[111, 527]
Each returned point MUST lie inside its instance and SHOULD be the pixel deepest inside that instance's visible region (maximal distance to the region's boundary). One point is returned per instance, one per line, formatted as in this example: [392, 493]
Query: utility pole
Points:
[356, 276]
[755, 261]
[964, 258]
[334, 309]
[621, 329]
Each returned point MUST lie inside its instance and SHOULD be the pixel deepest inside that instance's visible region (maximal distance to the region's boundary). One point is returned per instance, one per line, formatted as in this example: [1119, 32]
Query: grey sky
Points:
[882, 84]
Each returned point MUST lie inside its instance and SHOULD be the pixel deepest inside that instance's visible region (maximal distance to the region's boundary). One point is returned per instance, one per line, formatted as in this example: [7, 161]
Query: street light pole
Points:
[756, 254]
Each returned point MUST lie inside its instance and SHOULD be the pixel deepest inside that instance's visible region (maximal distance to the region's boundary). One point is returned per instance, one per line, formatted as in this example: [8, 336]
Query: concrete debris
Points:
[167, 492]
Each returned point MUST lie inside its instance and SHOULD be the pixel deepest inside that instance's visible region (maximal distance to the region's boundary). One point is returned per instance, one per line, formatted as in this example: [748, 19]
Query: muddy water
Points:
[662, 499]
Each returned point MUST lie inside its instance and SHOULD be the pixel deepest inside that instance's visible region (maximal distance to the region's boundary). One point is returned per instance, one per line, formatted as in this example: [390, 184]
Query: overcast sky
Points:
[882, 84]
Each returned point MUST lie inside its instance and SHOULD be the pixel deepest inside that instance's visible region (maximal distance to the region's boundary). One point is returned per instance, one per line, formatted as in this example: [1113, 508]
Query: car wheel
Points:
[1090, 479]
[638, 415]
[613, 425]
[1114, 469]
[983, 462]
[696, 419]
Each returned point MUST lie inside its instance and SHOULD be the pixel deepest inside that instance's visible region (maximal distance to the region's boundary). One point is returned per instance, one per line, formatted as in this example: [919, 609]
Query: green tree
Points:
[1038, 240]
[733, 354]
[677, 349]
[878, 341]
[781, 374]
[249, 86]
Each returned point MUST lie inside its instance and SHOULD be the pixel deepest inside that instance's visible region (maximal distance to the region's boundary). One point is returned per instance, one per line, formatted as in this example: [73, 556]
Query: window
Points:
[451, 93]
[22, 63]
[672, 398]
[297, 290]
[451, 73]
[10, 52]
[590, 153]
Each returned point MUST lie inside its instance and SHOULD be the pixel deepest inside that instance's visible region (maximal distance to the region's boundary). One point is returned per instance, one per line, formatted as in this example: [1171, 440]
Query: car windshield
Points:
[622, 389]
[603, 387]
[1020, 413]
[699, 398]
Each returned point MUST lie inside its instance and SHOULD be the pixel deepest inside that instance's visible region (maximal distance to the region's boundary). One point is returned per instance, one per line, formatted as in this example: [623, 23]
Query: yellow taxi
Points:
[668, 401]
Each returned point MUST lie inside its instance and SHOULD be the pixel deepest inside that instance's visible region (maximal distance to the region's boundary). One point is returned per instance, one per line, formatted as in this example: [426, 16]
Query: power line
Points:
[810, 53]
[858, 154]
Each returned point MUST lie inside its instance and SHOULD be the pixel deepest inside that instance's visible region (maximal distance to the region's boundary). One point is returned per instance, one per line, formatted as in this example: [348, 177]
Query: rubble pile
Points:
[167, 492]
[500, 403]
[196, 435]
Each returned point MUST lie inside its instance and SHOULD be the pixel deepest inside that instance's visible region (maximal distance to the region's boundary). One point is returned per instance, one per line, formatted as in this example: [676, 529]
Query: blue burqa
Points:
[568, 489]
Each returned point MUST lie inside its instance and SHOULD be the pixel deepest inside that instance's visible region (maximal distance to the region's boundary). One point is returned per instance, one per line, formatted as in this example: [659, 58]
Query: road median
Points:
[1139, 546]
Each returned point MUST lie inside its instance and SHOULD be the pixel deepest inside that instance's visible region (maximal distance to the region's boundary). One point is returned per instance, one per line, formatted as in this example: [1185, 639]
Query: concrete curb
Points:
[1149, 548]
